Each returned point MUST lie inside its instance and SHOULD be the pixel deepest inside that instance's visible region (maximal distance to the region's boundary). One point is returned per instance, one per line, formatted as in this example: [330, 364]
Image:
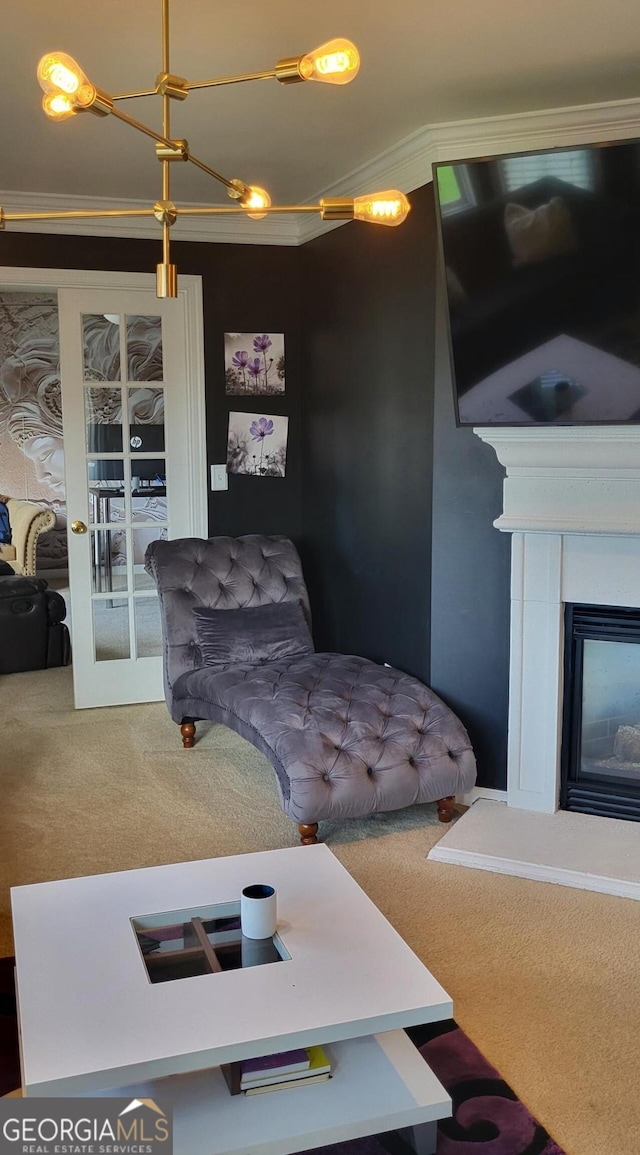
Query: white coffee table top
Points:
[91, 1019]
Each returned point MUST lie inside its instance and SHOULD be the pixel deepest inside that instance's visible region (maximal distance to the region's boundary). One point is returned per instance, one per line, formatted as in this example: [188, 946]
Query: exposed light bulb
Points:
[383, 208]
[64, 78]
[58, 72]
[257, 198]
[336, 62]
[66, 87]
[58, 106]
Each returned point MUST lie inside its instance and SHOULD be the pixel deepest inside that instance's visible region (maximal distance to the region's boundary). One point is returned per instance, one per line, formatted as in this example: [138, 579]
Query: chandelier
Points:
[68, 92]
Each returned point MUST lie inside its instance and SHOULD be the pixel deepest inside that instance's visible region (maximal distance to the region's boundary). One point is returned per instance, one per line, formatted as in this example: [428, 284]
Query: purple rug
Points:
[488, 1118]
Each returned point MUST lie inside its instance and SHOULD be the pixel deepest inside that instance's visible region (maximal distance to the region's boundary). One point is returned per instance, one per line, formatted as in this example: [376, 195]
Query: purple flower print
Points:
[254, 369]
[240, 360]
[261, 344]
[261, 429]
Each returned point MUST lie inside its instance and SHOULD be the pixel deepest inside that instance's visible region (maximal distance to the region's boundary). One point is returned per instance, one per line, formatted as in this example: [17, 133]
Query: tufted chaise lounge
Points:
[345, 736]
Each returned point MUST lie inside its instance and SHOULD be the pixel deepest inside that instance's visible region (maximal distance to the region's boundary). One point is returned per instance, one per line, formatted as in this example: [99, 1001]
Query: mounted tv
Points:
[541, 257]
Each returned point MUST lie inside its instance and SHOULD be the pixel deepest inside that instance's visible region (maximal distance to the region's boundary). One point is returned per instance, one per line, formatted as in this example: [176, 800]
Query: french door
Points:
[132, 399]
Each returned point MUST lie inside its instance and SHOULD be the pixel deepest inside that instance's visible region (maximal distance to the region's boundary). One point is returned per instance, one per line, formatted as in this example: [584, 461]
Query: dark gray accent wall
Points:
[403, 562]
[391, 504]
[246, 288]
[470, 577]
[367, 437]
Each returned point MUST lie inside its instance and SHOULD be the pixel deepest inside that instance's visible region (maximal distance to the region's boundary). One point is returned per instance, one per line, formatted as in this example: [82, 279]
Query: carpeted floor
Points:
[544, 978]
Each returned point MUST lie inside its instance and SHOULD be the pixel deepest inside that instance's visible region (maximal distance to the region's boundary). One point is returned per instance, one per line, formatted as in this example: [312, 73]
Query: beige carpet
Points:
[546, 980]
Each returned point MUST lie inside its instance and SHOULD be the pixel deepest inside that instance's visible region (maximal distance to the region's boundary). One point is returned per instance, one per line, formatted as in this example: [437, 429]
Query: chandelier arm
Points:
[77, 214]
[165, 35]
[192, 85]
[126, 119]
[135, 94]
[166, 273]
[220, 210]
[211, 172]
[241, 78]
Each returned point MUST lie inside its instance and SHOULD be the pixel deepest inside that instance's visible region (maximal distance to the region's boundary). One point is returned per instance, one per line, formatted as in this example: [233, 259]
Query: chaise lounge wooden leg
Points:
[446, 808]
[188, 732]
[308, 833]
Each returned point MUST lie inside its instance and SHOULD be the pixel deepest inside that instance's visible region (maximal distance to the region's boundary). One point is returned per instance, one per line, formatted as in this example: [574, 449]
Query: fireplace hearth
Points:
[600, 764]
[571, 502]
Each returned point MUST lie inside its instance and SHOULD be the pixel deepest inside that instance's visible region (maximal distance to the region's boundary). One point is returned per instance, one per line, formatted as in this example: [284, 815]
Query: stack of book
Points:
[289, 1069]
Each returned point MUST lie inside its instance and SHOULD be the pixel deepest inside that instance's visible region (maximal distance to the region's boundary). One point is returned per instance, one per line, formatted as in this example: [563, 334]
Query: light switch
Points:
[219, 477]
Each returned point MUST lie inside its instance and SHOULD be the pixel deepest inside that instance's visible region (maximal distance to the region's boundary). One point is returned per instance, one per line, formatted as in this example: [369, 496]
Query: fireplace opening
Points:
[601, 714]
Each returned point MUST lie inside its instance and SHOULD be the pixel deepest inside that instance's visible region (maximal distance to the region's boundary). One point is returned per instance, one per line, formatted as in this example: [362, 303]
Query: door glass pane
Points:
[146, 420]
[111, 629]
[144, 348]
[141, 539]
[149, 509]
[103, 412]
[101, 341]
[106, 489]
[148, 489]
[148, 473]
[106, 508]
[148, 629]
[108, 560]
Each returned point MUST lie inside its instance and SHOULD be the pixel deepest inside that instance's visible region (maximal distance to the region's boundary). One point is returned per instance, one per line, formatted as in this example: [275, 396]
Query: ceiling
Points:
[422, 63]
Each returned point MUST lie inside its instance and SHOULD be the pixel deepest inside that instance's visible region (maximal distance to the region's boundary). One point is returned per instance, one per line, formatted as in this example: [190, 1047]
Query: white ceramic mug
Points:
[258, 911]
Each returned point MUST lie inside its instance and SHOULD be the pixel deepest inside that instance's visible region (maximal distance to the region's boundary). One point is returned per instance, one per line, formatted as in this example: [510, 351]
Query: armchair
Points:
[27, 521]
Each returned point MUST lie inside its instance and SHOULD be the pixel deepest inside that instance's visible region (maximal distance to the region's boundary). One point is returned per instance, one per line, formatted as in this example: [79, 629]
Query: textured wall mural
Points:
[31, 447]
[31, 436]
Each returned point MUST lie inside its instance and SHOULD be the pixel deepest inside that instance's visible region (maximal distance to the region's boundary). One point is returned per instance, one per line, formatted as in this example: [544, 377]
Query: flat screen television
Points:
[541, 259]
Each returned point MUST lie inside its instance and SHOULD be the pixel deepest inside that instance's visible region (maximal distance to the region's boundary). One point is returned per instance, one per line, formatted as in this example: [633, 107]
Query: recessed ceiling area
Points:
[421, 64]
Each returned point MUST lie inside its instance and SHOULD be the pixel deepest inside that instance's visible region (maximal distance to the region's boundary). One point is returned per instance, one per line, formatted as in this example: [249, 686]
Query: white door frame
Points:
[190, 301]
[193, 488]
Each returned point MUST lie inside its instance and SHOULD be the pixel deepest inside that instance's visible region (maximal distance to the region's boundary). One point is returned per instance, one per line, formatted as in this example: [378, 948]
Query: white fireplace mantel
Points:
[579, 479]
[572, 504]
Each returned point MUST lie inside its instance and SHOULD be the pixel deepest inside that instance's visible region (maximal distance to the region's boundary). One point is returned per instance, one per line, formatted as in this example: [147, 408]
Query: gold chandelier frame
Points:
[69, 92]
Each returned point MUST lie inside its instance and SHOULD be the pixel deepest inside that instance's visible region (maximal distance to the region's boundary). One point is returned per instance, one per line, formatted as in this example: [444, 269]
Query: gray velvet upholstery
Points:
[345, 736]
[254, 634]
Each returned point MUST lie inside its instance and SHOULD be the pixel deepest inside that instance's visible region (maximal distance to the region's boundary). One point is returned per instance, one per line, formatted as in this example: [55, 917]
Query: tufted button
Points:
[412, 760]
[370, 771]
[325, 777]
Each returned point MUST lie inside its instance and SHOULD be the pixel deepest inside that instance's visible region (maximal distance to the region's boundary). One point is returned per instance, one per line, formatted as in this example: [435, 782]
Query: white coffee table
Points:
[92, 1023]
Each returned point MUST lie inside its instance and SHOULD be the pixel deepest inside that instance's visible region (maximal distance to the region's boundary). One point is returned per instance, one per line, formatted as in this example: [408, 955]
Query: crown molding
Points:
[230, 230]
[555, 127]
[405, 164]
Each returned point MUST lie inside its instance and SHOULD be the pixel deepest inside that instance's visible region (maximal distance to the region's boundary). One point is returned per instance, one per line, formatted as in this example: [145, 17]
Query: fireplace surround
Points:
[571, 502]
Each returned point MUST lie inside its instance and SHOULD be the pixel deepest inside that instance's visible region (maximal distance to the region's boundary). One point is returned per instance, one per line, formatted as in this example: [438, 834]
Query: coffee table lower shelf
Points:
[380, 1083]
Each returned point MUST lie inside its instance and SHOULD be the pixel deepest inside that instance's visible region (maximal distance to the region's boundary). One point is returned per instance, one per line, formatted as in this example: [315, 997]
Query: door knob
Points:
[78, 527]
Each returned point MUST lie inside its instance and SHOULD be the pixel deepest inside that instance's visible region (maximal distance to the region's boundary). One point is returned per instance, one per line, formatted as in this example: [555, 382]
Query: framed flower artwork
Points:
[254, 364]
[257, 444]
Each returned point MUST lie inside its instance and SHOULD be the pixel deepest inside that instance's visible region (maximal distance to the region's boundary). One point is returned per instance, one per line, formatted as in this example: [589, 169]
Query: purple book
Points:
[283, 1064]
